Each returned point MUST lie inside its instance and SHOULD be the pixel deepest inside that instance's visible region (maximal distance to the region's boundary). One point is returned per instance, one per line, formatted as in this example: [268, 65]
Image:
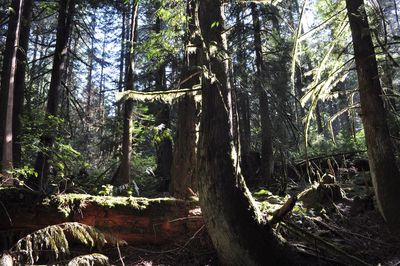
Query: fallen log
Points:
[136, 220]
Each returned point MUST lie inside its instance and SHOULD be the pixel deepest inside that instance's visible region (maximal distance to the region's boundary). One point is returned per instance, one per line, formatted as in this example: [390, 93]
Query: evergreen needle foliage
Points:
[55, 239]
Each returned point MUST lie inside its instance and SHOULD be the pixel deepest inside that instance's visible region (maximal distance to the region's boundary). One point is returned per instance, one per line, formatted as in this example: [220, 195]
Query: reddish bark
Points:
[156, 221]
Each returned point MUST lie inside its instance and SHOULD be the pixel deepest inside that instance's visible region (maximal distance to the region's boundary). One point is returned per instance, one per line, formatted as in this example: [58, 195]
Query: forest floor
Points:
[346, 232]
[331, 224]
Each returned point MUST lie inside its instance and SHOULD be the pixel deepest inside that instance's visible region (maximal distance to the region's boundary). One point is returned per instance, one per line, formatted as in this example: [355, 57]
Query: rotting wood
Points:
[136, 220]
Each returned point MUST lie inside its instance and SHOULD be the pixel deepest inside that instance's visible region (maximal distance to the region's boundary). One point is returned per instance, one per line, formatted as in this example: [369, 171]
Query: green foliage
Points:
[23, 173]
[49, 7]
[160, 45]
[106, 190]
[215, 24]
[63, 157]
[262, 192]
[144, 173]
[54, 240]
[161, 134]
[319, 144]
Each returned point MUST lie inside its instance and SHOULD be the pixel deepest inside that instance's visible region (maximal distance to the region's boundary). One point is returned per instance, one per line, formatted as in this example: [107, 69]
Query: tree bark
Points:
[267, 151]
[19, 92]
[183, 176]
[125, 171]
[64, 27]
[8, 138]
[244, 119]
[384, 170]
[122, 58]
[164, 146]
[6, 73]
[237, 230]
[138, 221]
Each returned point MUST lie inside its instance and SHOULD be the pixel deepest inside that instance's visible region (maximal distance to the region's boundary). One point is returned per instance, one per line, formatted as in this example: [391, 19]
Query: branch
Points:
[161, 96]
[284, 210]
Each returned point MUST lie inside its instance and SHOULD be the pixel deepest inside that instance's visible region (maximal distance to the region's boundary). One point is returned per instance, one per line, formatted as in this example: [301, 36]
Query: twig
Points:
[8, 215]
[120, 256]
[312, 252]
[336, 228]
[352, 260]
[171, 250]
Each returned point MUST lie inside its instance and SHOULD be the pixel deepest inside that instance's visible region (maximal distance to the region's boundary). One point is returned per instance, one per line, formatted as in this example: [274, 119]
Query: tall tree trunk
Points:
[244, 120]
[241, 84]
[91, 55]
[235, 225]
[267, 152]
[384, 170]
[102, 111]
[164, 146]
[32, 73]
[122, 58]
[125, 172]
[64, 26]
[19, 92]
[183, 174]
[7, 158]
[6, 71]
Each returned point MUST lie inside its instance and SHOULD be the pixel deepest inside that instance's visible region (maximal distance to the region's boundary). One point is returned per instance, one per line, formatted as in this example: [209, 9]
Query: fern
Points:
[54, 239]
[92, 259]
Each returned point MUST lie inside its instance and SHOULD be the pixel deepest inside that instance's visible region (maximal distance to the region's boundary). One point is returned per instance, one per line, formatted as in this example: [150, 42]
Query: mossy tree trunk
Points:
[384, 170]
[234, 222]
[124, 176]
[183, 176]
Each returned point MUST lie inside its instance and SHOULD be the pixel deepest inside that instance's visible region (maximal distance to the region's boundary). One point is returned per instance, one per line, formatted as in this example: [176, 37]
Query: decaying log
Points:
[136, 220]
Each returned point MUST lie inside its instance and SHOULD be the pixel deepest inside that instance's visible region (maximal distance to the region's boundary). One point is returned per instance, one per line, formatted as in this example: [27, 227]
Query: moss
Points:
[68, 202]
[319, 195]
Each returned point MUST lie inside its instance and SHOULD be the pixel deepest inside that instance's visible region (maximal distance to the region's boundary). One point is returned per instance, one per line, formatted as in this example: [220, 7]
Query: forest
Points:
[199, 132]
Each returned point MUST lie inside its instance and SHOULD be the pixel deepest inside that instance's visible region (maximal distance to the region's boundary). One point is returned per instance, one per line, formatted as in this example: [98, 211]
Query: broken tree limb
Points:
[284, 210]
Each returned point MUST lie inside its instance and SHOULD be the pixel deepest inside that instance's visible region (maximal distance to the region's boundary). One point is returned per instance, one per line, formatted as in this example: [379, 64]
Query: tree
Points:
[239, 233]
[13, 82]
[162, 117]
[384, 170]
[267, 152]
[9, 86]
[64, 28]
[124, 171]
[183, 174]
[19, 92]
